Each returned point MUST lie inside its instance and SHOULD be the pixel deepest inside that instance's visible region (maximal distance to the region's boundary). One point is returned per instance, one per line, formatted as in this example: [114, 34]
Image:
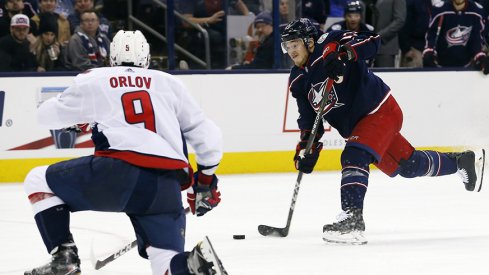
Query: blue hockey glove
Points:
[486, 66]
[482, 64]
[306, 163]
[204, 195]
[429, 59]
[335, 59]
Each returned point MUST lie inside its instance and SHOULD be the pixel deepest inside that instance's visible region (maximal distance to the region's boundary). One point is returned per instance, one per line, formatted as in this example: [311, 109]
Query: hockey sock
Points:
[54, 226]
[354, 181]
[427, 163]
[178, 264]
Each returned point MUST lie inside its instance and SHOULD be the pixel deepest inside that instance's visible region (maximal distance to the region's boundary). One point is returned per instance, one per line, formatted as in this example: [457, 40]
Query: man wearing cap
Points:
[353, 19]
[14, 48]
[264, 52]
[11, 8]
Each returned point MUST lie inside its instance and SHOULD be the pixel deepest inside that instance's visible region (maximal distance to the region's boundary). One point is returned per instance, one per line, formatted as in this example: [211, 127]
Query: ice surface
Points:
[414, 226]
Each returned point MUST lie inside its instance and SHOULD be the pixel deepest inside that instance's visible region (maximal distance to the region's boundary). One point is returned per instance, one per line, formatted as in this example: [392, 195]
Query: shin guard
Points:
[54, 226]
[427, 163]
[354, 181]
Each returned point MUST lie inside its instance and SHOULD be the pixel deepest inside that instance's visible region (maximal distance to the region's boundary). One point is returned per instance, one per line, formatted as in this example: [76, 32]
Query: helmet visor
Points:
[291, 45]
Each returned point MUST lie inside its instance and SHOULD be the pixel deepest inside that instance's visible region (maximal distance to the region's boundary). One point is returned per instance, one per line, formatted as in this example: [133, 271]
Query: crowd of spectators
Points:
[54, 35]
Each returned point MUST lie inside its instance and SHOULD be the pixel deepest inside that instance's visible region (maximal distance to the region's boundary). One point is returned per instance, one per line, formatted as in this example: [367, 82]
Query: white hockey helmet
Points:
[129, 48]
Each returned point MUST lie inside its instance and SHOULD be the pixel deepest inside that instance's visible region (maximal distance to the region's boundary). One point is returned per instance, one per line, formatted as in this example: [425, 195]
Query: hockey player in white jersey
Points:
[141, 120]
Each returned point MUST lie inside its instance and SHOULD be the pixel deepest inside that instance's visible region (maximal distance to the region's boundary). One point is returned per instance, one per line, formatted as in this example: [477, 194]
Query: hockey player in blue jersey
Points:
[353, 19]
[456, 35]
[141, 120]
[360, 106]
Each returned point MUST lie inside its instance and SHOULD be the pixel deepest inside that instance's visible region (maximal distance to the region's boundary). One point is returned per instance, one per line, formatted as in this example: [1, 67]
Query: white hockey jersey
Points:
[139, 117]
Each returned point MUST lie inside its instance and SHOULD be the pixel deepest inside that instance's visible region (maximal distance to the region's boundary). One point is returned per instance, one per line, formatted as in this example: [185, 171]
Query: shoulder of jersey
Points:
[478, 6]
[323, 37]
[89, 74]
[336, 27]
[438, 3]
[370, 27]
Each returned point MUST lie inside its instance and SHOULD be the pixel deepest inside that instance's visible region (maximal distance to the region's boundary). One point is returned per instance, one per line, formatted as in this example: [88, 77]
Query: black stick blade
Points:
[266, 230]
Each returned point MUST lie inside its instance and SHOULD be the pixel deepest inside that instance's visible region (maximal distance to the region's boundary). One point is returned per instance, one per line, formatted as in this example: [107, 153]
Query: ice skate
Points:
[348, 230]
[64, 261]
[203, 260]
[470, 166]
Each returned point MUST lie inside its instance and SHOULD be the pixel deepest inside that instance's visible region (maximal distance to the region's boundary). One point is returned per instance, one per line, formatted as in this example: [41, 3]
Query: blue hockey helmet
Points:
[298, 29]
[353, 7]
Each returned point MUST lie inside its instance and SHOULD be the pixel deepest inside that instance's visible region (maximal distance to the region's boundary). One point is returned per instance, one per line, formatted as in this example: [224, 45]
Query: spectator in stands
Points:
[63, 25]
[15, 54]
[11, 8]
[236, 7]
[353, 18]
[253, 6]
[454, 37]
[47, 49]
[210, 15]
[263, 58]
[84, 5]
[485, 5]
[316, 10]
[88, 47]
[387, 17]
[412, 35]
[283, 10]
[267, 5]
[65, 8]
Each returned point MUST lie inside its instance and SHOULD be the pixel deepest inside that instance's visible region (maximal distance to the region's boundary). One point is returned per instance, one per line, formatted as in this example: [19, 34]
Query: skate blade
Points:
[352, 238]
[210, 255]
[480, 160]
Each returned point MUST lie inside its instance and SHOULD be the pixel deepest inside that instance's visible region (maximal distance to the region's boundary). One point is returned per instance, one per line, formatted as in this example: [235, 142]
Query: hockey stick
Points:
[98, 264]
[266, 230]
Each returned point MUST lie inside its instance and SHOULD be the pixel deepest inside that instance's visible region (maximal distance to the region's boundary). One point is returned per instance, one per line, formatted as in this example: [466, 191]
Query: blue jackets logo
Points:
[315, 96]
[458, 36]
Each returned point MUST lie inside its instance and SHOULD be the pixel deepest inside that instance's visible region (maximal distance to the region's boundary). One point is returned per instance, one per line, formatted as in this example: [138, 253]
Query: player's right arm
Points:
[203, 134]
[206, 139]
[307, 114]
[72, 106]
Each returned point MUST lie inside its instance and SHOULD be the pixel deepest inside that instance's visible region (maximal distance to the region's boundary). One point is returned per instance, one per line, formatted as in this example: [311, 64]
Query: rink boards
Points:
[442, 110]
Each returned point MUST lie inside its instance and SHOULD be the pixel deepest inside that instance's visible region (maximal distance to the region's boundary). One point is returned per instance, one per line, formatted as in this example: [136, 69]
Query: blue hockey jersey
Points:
[456, 36]
[341, 25]
[358, 94]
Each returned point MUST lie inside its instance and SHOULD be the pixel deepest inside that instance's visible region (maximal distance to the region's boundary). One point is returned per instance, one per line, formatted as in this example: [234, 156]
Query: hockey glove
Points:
[77, 128]
[482, 64]
[306, 163]
[429, 59]
[335, 59]
[204, 195]
[486, 65]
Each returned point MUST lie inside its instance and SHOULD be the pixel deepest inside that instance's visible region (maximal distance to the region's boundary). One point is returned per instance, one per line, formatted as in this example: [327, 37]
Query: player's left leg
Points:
[87, 183]
[202, 260]
[161, 239]
[53, 221]
[160, 228]
[398, 161]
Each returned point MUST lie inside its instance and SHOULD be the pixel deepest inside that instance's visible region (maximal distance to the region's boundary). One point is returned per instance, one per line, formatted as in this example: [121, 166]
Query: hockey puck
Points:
[238, 237]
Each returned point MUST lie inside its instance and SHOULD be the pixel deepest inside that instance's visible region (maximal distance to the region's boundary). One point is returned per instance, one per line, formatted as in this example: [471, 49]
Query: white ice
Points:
[414, 226]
